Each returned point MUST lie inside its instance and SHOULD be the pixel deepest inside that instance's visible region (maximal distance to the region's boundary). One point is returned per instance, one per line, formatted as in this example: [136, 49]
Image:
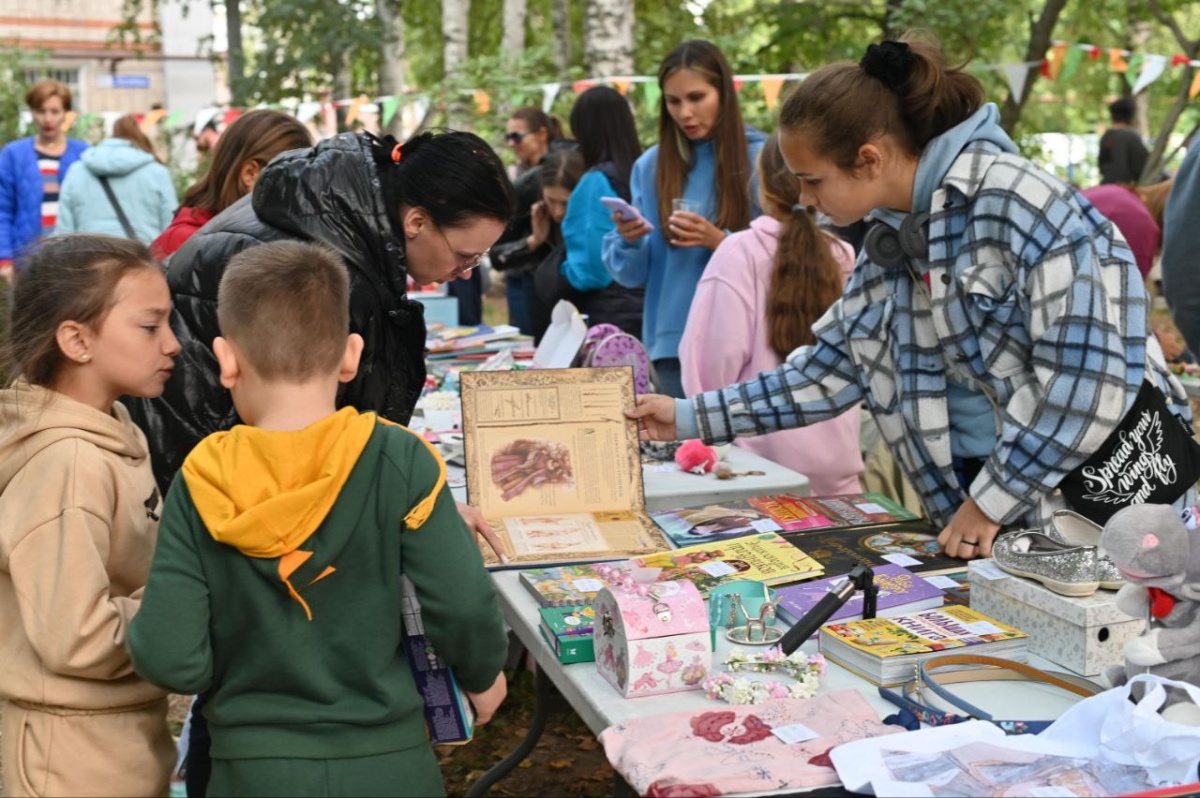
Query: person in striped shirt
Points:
[31, 171]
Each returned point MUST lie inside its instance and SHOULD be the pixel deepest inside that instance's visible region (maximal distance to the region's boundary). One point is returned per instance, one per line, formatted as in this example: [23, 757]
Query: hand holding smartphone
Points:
[624, 210]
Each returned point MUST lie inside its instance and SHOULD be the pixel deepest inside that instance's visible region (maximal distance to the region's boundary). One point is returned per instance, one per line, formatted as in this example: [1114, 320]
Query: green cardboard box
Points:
[568, 630]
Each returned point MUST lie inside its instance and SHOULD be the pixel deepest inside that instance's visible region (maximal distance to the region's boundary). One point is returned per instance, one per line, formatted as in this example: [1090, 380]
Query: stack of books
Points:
[885, 651]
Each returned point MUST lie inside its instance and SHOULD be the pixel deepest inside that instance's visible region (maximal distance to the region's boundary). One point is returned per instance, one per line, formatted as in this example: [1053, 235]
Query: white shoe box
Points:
[1084, 635]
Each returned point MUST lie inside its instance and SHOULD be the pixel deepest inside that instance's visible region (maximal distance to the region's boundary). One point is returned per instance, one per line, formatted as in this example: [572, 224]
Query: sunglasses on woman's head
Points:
[516, 137]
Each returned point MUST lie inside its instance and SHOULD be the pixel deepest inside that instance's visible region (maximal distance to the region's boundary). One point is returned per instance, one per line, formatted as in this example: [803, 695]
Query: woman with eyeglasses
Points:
[532, 135]
[428, 209]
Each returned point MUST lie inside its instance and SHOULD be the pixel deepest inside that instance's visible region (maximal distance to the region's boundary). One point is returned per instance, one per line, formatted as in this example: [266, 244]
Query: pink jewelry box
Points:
[652, 639]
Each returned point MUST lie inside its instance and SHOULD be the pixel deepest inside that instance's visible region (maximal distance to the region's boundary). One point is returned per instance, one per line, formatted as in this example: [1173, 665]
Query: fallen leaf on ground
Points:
[559, 764]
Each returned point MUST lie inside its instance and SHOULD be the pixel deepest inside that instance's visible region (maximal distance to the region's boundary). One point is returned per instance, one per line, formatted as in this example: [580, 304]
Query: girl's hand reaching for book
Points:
[487, 702]
[655, 415]
[969, 534]
[479, 525]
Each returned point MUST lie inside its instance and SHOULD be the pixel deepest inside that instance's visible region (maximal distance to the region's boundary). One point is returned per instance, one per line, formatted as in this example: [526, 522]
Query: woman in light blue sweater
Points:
[139, 182]
[705, 156]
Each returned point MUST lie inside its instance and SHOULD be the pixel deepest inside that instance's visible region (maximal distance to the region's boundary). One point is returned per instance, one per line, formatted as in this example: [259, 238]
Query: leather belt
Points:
[915, 709]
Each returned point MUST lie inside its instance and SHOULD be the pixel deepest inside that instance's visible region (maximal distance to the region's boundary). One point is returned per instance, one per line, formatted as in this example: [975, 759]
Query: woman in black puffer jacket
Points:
[427, 209]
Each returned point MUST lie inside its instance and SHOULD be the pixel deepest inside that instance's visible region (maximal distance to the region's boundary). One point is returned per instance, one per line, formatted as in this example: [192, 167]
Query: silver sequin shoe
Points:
[1065, 569]
[1068, 526]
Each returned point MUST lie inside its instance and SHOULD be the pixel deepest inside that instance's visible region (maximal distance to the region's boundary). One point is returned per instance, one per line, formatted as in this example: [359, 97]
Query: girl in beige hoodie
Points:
[78, 518]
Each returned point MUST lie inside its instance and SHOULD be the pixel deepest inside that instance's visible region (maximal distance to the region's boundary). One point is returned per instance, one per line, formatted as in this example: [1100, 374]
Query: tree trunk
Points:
[608, 38]
[1140, 33]
[393, 64]
[560, 12]
[1040, 33]
[512, 37]
[341, 88]
[455, 27]
[235, 57]
[1154, 164]
[1190, 48]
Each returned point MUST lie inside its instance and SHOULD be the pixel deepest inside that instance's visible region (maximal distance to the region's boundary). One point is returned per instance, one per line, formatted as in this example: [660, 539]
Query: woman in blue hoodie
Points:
[705, 156]
[139, 183]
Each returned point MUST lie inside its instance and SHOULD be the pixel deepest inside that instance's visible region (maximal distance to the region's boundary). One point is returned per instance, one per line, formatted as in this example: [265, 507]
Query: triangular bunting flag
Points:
[549, 92]
[1116, 60]
[580, 86]
[1071, 63]
[1152, 69]
[1093, 52]
[1017, 76]
[305, 111]
[1195, 89]
[771, 88]
[622, 86]
[1055, 59]
[652, 92]
[737, 84]
[1135, 66]
[389, 107]
[231, 115]
[174, 118]
[483, 101]
[68, 120]
[1179, 59]
[151, 119]
[355, 107]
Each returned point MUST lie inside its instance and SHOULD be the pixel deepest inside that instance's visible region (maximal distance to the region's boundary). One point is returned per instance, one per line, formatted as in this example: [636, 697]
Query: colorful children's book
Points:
[900, 592]
[553, 465]
[912, 544]
[858, 509]
[568, 630]
[449, 716]
[563, 586]
[885, 651]
[731, 519]
[792, 513]
[765, 557]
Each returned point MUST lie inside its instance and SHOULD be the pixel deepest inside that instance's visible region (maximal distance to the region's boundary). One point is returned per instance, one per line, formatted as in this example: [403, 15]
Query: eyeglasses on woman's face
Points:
[466, 261]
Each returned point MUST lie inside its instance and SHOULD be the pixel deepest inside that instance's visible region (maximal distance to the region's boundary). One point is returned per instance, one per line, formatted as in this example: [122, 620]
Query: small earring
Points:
[85, 357]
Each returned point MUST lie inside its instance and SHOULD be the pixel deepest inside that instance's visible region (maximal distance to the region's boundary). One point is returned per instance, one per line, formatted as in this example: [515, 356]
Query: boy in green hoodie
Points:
[276, 581]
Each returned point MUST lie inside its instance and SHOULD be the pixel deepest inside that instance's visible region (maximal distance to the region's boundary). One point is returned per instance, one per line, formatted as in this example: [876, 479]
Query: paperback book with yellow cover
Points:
[885, 651]
[765, 557]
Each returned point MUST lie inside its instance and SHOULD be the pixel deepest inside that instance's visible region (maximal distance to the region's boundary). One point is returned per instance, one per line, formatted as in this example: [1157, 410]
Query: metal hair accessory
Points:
[397, 153]
[890, 62]
[799, 207]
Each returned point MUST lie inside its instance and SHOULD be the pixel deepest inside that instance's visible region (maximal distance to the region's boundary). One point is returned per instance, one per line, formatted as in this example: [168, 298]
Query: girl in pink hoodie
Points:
[760, 294]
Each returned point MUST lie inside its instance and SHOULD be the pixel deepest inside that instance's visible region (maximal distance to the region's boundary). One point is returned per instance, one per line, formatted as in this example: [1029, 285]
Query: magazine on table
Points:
[553, 465]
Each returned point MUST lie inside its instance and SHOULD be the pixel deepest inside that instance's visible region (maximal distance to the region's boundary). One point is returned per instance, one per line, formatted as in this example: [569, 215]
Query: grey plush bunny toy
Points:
[1160, 558]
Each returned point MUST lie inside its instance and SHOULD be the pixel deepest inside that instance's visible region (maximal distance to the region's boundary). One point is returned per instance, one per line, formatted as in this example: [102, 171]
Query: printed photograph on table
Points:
[552, 463]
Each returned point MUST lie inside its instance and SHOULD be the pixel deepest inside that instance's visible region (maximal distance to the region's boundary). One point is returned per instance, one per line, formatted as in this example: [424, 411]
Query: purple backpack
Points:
[606, 345]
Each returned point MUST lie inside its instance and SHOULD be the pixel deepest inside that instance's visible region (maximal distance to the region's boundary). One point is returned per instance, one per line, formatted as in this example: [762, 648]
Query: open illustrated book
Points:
[553, 465]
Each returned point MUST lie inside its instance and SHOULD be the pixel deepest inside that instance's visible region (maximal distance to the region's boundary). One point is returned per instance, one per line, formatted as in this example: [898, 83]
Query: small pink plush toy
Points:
[696, 458]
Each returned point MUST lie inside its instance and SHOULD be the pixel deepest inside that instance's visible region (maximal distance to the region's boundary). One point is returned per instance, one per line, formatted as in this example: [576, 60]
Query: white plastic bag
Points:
[1135, 734]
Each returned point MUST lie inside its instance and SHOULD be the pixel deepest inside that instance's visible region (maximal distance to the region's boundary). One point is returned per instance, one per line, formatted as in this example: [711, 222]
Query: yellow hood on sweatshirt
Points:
[266, 492]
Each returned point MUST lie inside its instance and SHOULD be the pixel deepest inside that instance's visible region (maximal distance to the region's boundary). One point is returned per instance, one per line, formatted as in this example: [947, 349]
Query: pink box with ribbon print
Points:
[652, 639]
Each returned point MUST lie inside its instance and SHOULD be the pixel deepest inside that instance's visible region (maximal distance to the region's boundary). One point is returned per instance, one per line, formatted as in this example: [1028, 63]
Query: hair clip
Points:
[799, 207]
[397, 153]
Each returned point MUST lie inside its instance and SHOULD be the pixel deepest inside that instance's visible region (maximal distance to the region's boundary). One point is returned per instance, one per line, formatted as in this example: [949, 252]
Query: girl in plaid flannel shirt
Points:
[995, 361]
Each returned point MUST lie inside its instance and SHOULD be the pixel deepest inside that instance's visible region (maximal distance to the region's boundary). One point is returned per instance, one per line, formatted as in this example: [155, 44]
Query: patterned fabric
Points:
[1033, 295]
[48, 169]
[734, 749]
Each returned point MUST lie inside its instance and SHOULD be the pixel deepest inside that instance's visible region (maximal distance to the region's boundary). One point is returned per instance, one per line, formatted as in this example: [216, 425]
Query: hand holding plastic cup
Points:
[680, 205]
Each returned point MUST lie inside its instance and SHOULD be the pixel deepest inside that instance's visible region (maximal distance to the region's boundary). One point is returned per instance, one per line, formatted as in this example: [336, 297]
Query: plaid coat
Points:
[1032, 294]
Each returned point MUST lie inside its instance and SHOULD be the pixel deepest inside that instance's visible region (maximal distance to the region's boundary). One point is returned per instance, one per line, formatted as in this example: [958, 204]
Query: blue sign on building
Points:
[131, 81]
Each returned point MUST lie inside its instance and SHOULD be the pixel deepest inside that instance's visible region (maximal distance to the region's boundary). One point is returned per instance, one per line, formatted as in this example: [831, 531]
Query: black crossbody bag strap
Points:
[121, 217]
